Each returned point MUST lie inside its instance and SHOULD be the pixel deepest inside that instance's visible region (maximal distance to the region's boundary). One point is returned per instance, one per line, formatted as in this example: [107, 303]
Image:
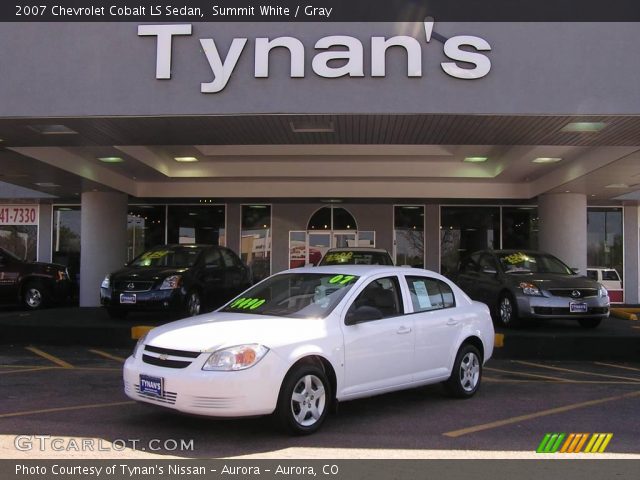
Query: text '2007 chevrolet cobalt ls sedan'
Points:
[305, 338]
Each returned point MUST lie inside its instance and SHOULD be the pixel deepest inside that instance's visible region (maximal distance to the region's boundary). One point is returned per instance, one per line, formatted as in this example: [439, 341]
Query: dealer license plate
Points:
[127, 298]
[151, 385]
[577, 307]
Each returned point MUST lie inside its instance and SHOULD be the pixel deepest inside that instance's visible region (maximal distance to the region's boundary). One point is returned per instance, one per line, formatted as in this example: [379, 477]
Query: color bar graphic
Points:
[552, 442]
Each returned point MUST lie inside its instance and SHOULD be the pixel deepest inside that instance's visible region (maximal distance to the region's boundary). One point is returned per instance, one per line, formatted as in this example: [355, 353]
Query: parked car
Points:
[32, 284]
[175, 278]
[518, 284]
[356, 256]
[610, 279]
[305, 338]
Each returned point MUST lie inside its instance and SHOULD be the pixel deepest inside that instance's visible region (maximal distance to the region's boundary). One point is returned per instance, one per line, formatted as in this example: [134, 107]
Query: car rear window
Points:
[610, 275]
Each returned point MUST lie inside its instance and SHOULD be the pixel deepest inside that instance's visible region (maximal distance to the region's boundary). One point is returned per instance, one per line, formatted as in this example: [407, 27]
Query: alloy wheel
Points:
[33, 297]
[308, 400]
[506, 310]
[194, 304]
[469, 371]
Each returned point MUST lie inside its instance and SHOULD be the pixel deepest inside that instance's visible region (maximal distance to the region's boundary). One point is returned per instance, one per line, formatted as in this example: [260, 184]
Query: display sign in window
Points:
[18, 214]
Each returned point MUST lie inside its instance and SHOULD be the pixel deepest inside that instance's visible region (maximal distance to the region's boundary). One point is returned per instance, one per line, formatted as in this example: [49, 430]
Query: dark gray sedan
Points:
[518, 284]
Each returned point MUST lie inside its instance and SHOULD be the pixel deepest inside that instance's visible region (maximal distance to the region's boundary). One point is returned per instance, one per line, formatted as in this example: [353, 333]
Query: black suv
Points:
[33, 284]
[184, 278]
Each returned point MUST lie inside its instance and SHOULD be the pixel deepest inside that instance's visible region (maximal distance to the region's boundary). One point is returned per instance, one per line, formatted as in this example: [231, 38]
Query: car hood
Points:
[145, 273]
[207, 333]
[553, 280]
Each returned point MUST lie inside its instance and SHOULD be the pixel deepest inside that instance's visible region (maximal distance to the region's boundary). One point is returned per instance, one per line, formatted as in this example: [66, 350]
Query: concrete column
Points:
[103, 244]
[631, 255]
[563, 227]
[233, 227]
[44, 232]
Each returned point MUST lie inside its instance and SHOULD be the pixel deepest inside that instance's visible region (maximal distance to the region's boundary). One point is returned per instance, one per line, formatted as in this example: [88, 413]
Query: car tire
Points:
[589, 322]
[193, 305]
[35, 295]
[117, 313]
[508, 311]
[466, 374]
[304, 399]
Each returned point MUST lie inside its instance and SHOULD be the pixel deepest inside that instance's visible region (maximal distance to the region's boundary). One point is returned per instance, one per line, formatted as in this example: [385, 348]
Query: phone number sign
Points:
[18, 214]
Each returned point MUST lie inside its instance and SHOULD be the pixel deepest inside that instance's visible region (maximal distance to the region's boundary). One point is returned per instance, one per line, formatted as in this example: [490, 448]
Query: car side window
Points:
[229, 258]
[592, 274]
[470, 264]
[610, 275]
[487, 262]
[212, 258]
[429, 294]
[381, 298]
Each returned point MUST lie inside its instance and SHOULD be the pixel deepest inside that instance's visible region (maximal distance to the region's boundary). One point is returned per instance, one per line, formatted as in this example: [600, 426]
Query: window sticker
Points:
[247, 303]
[339, 257]
[516, 258]
[421, 292]
[341, 279]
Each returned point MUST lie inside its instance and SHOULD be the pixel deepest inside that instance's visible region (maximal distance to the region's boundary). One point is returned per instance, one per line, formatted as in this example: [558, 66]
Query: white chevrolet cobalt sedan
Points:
[303, 339]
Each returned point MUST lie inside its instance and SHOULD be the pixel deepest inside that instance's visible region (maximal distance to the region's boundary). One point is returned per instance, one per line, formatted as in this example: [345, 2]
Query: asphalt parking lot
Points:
[69, 392]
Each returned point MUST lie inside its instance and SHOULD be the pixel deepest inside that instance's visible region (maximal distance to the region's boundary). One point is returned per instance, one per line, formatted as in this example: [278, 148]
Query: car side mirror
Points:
[489, 271]
[362, 314]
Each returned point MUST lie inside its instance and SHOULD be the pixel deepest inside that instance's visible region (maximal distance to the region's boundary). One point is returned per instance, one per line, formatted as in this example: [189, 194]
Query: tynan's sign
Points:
[461, 48]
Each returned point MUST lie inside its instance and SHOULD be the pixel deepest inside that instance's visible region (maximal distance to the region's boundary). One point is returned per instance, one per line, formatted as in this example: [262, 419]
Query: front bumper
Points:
[150, 300]
[249, 392]
[558, 307]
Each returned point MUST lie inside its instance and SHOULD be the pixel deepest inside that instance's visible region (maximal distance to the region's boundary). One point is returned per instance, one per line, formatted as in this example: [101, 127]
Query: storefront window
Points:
[145, 228]
[463, 230]
[520, 227]
[66, 238]
[255, 239]
[604, 238]
[196, 224]
[19, 230]
[332, 218]
[408, 235]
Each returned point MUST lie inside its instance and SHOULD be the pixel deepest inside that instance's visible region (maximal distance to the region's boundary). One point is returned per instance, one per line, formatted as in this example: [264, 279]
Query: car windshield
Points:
[295, 295]
[10, 254]
[168, 257]
[519, 262]
[356, 257]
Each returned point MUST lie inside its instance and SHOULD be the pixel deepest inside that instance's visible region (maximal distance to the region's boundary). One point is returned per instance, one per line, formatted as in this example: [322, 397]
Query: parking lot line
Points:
[531, 416]
[65, 409]
[534, 375]
[51, 358]
[569, 370]
[618, 366]
[107, 355]
[22, 370]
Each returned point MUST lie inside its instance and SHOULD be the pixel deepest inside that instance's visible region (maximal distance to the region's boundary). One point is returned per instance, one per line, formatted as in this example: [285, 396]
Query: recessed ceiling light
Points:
[330, 200]
[53, 129]
[308, 126]
[583, 127]
[111, 159]
[185, 159]
[475, 159]
[617, 185]
[546, 160]
[567, 191]
[47, 184]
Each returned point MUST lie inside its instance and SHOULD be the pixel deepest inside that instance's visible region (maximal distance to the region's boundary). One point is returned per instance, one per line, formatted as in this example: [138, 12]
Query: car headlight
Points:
[603, 292]
[139, 346]
[235, 358]
[106, 283]
[530, 289]
[169, 283]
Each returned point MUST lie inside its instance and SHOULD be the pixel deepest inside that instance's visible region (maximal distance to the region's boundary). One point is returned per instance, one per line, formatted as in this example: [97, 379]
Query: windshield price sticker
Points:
[247, 303]
[516, 258]
[18, 214]
[339, 257]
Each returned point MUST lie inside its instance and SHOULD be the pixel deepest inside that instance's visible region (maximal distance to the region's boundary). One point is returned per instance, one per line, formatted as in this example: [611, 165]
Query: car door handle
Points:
[403, 330]
[452, 322]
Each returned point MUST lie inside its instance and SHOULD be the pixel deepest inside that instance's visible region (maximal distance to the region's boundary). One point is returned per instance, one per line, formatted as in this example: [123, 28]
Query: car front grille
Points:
[213, 402]
[167, 357]
[133, 286]
[569, 292]
[565, 311]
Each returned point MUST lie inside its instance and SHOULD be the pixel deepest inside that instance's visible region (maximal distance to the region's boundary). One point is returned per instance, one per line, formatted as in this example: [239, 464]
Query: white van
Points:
[610, 279]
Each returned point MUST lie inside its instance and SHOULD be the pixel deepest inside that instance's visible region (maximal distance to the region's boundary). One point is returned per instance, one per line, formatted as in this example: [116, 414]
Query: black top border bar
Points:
[186, 11]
